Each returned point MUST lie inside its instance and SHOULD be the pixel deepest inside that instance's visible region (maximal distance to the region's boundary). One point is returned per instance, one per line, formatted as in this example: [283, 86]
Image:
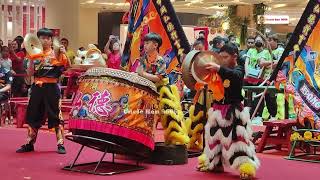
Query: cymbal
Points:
[56, 45]
[193, 66]
[198, 70]
[32, 45]
[187, 77]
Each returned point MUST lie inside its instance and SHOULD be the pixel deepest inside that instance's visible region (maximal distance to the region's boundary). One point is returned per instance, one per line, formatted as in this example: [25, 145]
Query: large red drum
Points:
[115, 106]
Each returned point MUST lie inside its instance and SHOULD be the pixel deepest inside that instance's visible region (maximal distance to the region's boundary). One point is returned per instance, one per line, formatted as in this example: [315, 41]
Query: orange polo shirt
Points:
[49, 60]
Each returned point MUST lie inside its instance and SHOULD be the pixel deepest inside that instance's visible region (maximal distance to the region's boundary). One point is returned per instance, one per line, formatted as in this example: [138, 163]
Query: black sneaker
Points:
[25, 148]
[61, 149]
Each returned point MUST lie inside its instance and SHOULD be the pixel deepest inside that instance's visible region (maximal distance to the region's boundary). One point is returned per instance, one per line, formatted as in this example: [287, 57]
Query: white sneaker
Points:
[273, 118]
[257, 121]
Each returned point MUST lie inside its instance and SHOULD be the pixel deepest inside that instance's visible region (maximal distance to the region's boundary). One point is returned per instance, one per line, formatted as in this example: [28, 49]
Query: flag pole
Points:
[260, 101]
[268, 82]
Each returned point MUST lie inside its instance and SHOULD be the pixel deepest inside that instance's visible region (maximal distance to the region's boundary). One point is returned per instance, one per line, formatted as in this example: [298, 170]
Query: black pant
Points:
[271, 103]
[44, 99]
[3, 96]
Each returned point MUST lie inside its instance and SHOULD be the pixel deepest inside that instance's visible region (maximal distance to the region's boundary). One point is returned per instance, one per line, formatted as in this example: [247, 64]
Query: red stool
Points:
[5, 111]
[13, 104]
[21, 109]
[72, 86]
[276, 133]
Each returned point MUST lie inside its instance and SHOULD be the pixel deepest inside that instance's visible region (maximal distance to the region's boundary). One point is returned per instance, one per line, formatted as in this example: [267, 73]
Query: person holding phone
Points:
[113, 51]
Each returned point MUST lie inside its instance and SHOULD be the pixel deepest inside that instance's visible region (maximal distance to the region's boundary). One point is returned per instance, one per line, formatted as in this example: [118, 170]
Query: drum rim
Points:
[128, 76]
[194, 74]
[186, 69]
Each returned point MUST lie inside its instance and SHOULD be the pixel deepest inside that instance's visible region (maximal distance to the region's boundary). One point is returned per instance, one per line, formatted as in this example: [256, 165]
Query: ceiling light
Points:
[225, 25]
[90, 1]
[122, 4]
[268, 30]
[106, 3]
[216, 7]
[195, 1]
[279, 5]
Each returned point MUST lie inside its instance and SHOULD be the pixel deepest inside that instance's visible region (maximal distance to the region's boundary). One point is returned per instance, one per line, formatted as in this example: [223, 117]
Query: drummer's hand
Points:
[62, 49]
[13, 72]
[274, 65]
[140, 71]
[213, 67]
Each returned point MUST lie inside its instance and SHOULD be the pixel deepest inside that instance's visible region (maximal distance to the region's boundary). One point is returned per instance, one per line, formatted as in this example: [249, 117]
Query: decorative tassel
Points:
[247, 171]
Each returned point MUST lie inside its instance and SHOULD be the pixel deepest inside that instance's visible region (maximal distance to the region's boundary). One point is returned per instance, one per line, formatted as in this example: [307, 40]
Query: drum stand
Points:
[106, 168]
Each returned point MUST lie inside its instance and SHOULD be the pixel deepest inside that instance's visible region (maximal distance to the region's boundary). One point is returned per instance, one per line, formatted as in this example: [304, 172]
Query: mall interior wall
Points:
[78, 24]
[64, 15]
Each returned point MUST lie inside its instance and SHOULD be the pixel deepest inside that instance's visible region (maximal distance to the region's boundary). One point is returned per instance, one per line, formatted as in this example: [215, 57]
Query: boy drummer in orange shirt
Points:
[45, 93]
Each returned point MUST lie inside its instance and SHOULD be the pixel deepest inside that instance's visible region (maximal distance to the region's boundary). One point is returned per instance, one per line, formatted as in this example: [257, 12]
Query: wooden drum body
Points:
[115, 106]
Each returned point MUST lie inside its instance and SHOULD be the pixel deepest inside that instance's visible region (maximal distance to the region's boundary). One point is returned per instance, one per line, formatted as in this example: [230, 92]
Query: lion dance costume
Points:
[172, 117]
[228, 131]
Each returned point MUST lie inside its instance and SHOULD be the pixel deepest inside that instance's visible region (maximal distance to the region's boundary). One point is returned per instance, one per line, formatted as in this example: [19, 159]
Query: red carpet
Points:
[46, 164]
